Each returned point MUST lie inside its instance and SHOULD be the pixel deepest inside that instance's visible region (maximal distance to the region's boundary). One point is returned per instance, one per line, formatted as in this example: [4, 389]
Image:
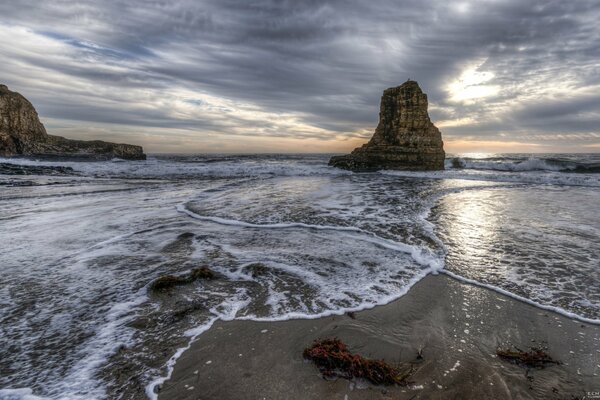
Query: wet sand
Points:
[458, 326]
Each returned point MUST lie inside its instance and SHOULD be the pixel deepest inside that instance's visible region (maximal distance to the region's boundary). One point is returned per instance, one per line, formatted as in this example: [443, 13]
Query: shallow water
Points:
[81, 246]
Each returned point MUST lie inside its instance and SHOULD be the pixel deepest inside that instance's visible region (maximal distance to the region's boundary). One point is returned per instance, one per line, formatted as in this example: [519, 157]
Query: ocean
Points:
[287, 237]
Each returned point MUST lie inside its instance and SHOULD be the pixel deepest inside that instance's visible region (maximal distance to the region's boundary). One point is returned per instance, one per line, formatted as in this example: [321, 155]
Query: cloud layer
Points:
[223, 75]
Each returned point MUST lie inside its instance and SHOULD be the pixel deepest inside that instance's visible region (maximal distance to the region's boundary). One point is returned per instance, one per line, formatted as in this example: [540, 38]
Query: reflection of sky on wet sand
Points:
[539, 243]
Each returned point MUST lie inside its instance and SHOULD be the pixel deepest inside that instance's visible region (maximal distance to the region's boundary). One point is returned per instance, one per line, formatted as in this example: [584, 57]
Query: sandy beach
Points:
[458, 327]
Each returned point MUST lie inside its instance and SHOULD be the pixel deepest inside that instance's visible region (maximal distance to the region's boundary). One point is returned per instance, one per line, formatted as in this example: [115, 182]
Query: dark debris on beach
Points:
[169, 281]
[535, 358]
[333, 359]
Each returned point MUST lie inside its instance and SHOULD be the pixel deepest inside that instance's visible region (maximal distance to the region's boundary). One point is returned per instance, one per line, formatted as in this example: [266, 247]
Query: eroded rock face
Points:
[22, 133]
[405, 138]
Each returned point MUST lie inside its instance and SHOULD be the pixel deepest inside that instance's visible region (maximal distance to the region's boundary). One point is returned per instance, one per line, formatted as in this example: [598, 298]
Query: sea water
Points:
[287, 236]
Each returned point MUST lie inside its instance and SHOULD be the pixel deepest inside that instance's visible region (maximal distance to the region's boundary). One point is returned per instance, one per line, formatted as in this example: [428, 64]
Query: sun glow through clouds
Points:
[471, 84]
[461, 8]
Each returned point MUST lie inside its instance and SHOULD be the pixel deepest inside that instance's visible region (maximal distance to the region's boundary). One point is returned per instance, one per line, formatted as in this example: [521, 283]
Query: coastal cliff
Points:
[22, 134]
[405, 138]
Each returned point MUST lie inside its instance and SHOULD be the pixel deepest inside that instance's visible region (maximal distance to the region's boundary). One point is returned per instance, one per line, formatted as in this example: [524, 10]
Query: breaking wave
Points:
[515, 163]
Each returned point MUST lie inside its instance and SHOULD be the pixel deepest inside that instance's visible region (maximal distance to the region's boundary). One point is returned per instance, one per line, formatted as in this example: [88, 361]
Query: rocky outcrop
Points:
[22, 133]
[405, 138]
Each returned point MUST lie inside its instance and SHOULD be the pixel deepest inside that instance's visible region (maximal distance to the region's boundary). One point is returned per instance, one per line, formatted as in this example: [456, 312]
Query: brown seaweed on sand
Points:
[333, 359]
[536, 358]
[169, 281]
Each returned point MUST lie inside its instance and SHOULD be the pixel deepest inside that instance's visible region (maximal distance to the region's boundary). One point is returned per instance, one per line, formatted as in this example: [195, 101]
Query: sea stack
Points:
[405, 138]
[22, 134]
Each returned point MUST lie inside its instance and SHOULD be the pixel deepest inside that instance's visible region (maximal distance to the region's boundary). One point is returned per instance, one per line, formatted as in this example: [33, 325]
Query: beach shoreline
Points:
[457, 326]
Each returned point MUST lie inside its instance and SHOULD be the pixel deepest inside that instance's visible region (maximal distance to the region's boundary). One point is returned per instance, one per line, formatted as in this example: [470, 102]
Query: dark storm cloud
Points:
[322, 65]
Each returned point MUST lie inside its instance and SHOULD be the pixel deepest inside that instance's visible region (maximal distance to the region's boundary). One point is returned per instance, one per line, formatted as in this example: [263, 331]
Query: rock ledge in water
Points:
[405, 138]
[22, 134]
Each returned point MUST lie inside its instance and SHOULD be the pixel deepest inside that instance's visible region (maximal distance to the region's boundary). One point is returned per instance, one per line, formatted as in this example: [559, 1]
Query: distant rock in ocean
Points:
[405, 138]
[22, 134]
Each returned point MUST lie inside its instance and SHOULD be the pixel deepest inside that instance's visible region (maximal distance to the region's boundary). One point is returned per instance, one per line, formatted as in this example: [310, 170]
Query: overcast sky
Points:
[299, 76]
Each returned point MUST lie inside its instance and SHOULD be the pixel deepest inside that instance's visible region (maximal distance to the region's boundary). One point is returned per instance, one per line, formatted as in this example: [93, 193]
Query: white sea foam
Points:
[19, 394]
[419, 254]
[111, 336]
[243, 224]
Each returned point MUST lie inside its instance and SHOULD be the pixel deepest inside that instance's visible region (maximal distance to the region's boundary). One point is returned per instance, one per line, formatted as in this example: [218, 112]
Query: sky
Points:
[223, 76]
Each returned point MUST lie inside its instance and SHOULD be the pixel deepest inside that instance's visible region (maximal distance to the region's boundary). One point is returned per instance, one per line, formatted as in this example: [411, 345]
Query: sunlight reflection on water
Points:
[535, 242]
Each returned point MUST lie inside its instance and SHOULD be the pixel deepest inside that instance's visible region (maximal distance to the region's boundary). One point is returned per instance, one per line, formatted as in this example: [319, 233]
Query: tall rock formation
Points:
[22, 133]
[405, 138]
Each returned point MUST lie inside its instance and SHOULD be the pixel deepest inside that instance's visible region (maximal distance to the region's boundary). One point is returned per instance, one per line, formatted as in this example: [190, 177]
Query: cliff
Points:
[405, 138]
[22, 134]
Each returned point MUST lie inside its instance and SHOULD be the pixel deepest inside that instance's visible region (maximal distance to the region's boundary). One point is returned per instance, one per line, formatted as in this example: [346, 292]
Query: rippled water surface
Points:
[287, 237]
